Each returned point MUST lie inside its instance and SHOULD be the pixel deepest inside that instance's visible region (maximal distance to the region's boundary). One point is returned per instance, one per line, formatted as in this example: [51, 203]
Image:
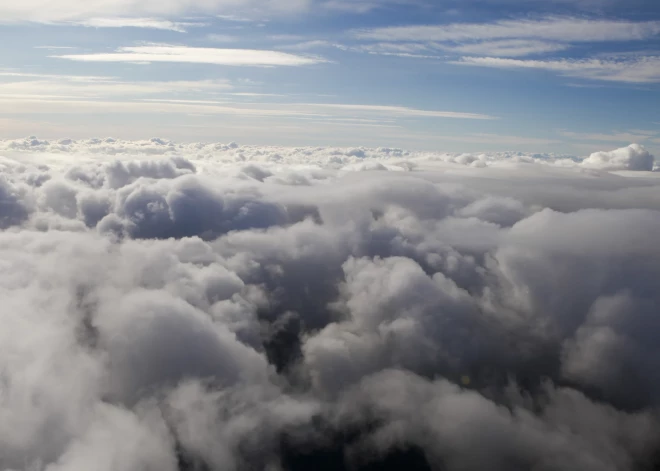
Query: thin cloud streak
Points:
[638, 70]
[74, 87]
[35, 104]
[553, 29]
[403, 111]
[505, 48]
[49, 11]
[147, 23]
[198, 55]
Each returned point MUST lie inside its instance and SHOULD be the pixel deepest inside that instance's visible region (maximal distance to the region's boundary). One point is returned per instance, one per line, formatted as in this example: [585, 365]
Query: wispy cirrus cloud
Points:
[178, 97]
[221, 38]
[49, 11]
[235, 18]
[148, 23]
[312, 44]
[70, 78]
[503, 38]
[550, 28]
[365, 6]
[506, 47]
[402, 111]
[635, 70]
[499, 44]
[89, 86]
[198, 55]
[55, 48]
[635, 135]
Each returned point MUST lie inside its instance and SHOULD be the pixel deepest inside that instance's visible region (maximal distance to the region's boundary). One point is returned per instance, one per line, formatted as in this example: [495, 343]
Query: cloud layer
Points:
[219, 307]
[495, 44]
[71, 10]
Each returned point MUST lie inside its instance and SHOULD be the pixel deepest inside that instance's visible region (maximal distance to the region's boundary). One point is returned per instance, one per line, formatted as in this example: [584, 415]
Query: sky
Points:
[287, 235]
[560, 76]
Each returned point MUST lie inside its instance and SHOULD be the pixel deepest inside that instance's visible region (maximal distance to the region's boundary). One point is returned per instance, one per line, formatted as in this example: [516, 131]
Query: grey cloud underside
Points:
[218, 307]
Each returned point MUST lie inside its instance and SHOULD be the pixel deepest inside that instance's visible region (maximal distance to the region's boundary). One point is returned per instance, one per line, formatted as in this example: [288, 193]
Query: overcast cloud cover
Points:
[222, 307]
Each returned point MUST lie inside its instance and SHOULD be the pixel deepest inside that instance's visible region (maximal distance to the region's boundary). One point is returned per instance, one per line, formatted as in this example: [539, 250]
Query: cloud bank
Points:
[223, 307]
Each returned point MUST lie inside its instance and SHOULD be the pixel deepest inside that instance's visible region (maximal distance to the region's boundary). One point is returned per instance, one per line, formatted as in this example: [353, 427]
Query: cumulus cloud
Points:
[215, 306]
[634, 157]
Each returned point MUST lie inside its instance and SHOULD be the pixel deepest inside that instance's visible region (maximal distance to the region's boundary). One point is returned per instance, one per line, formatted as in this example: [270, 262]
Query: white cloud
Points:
[81, 86]
[630, 136]
[512, 141]
[365, 6]
[637, 70]
[550, 29]
[69, 78]
[54, 48]
[634, 157]
[432, 49]
[357, 7]
[82, 94]
[214, 306]
[307, 45]
[148, 23]
[235, 18]
[73, 10]
[75, 105]
[197, 55]
[286, 37]
[254, 94]
[327, 157]
[386, 48]
[505, 48]
[402, 111]
[503, 38]
[222, 38]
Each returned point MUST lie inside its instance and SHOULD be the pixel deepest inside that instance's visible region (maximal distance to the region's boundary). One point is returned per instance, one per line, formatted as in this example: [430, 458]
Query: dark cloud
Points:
[13, 211]
[339, 310]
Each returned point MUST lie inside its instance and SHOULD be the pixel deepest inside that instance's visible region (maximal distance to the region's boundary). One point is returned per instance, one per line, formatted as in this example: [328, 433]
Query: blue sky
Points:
[565, 76]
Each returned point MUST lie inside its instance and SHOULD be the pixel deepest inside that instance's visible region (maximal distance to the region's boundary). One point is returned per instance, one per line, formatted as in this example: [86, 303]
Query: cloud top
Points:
[216, 306]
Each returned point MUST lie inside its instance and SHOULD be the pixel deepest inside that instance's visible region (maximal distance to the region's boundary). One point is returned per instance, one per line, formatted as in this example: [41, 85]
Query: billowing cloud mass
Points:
[222, 307]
